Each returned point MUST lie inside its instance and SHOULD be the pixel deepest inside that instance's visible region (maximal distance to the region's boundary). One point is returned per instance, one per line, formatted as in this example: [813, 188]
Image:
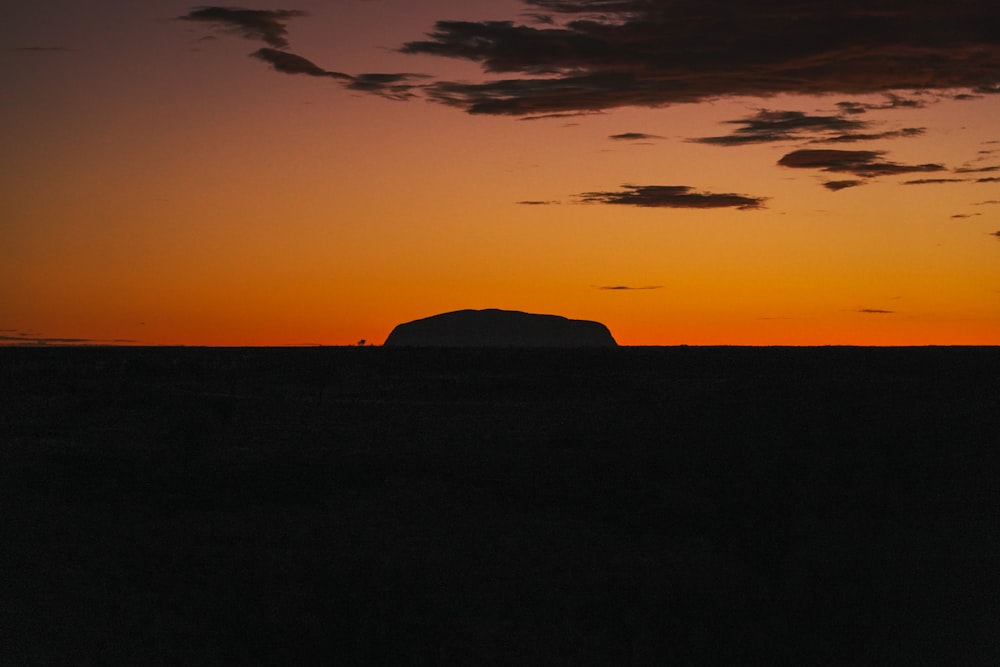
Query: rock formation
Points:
[499, 328]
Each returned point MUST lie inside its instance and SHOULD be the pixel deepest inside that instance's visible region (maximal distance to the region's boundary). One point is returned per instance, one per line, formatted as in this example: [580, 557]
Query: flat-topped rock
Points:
[499, 328]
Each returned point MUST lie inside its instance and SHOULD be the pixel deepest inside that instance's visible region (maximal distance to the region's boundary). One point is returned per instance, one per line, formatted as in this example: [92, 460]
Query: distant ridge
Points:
[499, 328]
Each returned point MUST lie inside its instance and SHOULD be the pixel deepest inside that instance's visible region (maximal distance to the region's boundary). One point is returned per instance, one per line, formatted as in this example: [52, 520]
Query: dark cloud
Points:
[581, 56]
[289, 63]
[671, 196]
[627, 288]
[875, 311]
[852, 107]
[596, 7]
[892, 101]
[535, 97]
[852, 137]
[633, 136]
[266, 25]
[767, 126]
[539, 18]
[398, 86]
[991, 179]
[976, 170]
[988, 202]
[836, 186]
[393, 86]
[960, 216]
[33, 338]
[549, 116]
[935, 181]
[602, 54]
[865, 164]
[537, 202]
[996, 234]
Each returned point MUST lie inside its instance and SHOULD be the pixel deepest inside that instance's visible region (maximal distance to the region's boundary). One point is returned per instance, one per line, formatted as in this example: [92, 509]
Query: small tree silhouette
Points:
[361, 343]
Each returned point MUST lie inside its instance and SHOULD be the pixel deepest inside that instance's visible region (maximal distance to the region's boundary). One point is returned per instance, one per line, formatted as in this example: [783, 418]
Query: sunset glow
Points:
[183, 175]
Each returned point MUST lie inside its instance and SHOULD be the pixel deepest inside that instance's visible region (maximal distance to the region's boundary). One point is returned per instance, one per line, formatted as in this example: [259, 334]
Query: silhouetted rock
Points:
[500, 328]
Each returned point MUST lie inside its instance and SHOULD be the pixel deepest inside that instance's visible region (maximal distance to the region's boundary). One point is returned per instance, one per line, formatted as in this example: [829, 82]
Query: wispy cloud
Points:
[836, 186]
[289, 63]
[627, 288]
[977, 170]
[935, 181]
[396, 86]
[671, 196]
[769, 126]
[537, 202]
[551, 116]
[266, 25]
[940, 181]
[14, 337]
[853, 137]
[269, 26]
[865, 164]
[634, 136]
[875, 311]
[959, 216]
[892, 101]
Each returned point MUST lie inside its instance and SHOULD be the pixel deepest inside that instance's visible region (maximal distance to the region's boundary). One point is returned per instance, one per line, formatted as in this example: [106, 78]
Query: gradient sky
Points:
[684, 171]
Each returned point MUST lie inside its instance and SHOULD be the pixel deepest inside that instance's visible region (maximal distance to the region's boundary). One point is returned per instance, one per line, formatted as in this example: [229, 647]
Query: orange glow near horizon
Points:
[193, 196]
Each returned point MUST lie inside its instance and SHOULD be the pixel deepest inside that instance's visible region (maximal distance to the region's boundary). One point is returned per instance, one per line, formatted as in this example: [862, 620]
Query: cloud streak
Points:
[12, 337]
[634, 136]
[289, 63]
[768, 126]
[627, 288]
[893, 101]
[266, 25]
[977, 170]
[671, 196]
[935, 181]
[397, 86]
[269, 26]
[865, 164]
[852, 137]
[837, 186]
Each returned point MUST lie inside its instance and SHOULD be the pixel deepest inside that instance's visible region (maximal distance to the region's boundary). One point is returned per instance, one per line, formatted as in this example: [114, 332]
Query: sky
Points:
[701, 172]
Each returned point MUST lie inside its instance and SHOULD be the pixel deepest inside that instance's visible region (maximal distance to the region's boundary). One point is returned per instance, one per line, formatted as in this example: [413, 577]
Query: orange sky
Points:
[161, 187]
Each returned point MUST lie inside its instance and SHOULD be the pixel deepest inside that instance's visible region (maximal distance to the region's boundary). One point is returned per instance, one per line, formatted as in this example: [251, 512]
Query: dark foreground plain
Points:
[376, 506]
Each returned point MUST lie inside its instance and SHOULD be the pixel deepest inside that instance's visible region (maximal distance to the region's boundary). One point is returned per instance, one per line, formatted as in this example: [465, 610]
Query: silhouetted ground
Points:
[363, 506]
